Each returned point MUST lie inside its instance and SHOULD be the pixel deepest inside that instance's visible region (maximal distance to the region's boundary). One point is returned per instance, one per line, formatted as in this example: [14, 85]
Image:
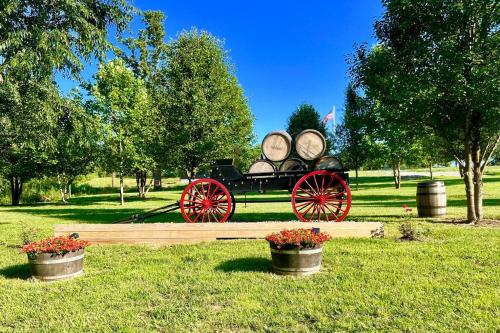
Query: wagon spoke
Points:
[299, 208]
[312, 189]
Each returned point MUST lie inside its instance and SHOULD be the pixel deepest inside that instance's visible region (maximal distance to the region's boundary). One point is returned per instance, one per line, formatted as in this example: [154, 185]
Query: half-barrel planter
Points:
[297, 252]
[57, 258]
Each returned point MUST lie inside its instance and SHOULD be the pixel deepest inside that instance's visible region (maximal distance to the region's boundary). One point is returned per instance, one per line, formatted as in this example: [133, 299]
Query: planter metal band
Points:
[308, 251]
[58, 277]
[304, 269]
[56, 261]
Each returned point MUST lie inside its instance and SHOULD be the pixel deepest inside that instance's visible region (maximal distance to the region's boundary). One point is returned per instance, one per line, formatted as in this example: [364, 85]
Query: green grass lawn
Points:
[448, 282]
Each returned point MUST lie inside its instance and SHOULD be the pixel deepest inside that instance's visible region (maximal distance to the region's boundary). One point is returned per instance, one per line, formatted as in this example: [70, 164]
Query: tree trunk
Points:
[113, 175]
[357, 179]
[430, 171]
[477, 180]
[396, 171]
[141, 178]
[16, 189]
[122, 196]
[62, 188]
[469, 184]
[157, 179]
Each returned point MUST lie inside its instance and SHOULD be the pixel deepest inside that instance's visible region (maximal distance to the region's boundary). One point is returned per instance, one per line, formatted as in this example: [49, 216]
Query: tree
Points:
[36, 40]
[306, 117]
[78, 139]
[204, 111]
[146, 57]
[27, 122]
[385, 117]
[351, 136]
[444, 61]
[122, 102]
[42, 37]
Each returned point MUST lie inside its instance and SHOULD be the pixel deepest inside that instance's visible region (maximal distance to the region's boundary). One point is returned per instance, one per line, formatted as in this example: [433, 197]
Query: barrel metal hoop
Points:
[58, 277]
[432, 206]
[306, 269]
[56, 261]
[437, 193]
[308, 251]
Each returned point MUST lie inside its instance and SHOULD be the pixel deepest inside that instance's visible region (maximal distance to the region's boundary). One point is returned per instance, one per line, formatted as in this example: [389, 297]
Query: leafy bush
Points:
[29, 234]
[411, 231]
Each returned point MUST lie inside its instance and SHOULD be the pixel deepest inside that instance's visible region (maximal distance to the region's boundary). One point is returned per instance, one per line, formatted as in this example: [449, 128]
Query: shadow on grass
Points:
[249, 264]
[21, 271]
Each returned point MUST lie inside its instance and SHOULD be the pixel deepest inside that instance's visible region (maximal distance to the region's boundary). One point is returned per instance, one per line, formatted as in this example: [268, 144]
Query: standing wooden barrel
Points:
[296, 262]
[262, 166]
[54, 267]
[431, 199]
[310, 144]
[328, 162]
[292, 164]
[277, 146]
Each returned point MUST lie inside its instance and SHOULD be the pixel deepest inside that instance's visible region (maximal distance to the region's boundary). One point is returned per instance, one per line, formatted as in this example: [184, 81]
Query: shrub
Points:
[411, 231]
[28, 234]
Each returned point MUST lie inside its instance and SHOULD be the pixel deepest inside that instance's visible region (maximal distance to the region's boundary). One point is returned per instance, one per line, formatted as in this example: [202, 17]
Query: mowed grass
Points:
[447, 282]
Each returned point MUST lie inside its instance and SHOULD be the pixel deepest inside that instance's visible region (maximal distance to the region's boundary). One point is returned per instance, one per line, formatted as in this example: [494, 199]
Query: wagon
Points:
[315, 195]
[318, 184]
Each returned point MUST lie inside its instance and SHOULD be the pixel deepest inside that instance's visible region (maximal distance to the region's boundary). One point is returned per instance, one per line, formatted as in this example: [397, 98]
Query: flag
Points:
[329, 116]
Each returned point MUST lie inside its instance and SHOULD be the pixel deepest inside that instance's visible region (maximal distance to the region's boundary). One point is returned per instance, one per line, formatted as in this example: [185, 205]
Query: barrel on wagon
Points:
[431, 199]
[310, 144]
[277, 146]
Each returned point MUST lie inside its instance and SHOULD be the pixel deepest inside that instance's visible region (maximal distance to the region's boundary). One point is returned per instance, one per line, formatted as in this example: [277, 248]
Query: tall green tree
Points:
[374, 71]
[122, 102]
[306, 117]
[146, 55]
[78, 142]
[351, 137]
[204, 112]
[37, 39]
[27, 123]
[443, 58]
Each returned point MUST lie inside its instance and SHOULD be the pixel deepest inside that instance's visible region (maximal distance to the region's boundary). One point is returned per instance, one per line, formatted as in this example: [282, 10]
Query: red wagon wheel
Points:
[205, 200]
[321, 195]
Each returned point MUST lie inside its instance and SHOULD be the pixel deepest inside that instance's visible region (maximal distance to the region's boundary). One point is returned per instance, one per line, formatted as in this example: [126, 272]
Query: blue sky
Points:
[285, 52]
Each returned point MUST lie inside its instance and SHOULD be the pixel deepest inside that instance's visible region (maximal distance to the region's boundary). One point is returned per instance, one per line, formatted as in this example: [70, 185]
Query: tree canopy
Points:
[435, 71]
[205, 114]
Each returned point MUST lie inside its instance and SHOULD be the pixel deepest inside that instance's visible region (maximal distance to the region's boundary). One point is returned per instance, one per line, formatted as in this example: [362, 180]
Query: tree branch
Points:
[487, 154]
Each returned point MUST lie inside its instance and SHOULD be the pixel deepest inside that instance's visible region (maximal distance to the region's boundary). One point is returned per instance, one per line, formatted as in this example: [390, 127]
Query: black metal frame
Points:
[237, 182]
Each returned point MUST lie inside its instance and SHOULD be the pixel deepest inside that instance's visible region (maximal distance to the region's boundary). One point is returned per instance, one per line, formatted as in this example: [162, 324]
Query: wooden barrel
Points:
[262, 166]
[431, 199]
[54, 267]
[292, 164]
[328, 162]
[296, 262]
[310, 144]
[277, 146]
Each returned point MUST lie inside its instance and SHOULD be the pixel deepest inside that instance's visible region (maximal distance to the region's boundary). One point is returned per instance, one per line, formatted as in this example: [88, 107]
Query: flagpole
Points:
[333, 120]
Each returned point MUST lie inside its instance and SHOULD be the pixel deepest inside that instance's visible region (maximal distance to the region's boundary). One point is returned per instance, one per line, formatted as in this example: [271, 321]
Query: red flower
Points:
[303, 238]
[57, 245]
[407, 208]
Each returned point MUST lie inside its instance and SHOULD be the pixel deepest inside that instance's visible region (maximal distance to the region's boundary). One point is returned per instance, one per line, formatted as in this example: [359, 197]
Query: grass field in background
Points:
[447, 282]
